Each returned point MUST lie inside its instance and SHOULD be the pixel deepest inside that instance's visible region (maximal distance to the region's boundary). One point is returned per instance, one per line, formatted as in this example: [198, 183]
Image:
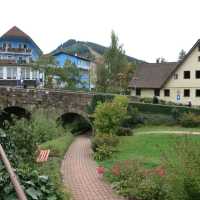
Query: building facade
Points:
[18, 52]
[82, 63]
[176, 82]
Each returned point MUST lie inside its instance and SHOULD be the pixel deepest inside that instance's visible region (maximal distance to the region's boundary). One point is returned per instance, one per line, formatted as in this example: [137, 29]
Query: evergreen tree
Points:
[181, 55]
[113, 74]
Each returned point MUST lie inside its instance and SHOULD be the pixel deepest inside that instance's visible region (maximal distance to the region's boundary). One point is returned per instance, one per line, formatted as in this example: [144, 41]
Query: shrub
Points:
[45, 128]
[131, 180]
[183, 173]
[110, 115]
[190, 120]
[107, 139]
[123, 131]
[98, 98]
[104, 152]
[134, 117]
[153, 187]
[34, 185]
[23, 137]
[158, 119]
[155, 100]
[176, 114]
[161, 109]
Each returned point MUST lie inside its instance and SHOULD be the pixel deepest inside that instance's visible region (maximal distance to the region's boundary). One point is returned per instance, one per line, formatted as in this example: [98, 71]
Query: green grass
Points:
[160, 128]
[148, 148]
[51, 168]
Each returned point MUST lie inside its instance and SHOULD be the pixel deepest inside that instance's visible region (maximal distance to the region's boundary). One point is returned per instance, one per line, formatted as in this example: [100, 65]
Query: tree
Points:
[113, 71]
[181, 55]
[48, 65]
[71, 75]
[101, 78]
[160, 60]
[109, 116]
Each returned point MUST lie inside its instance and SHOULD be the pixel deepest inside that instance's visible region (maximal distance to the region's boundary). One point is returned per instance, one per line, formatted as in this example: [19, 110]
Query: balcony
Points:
[4, 61]
[7, 61]
[15, 50]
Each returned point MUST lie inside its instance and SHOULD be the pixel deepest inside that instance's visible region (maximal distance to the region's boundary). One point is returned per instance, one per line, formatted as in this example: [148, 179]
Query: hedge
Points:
[162, 109]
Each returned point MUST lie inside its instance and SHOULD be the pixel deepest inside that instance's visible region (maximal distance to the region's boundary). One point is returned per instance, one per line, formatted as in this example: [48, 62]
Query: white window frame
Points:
[13, 73]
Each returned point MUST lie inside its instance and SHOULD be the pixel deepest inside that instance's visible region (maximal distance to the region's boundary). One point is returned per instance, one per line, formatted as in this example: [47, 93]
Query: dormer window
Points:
[25, 46]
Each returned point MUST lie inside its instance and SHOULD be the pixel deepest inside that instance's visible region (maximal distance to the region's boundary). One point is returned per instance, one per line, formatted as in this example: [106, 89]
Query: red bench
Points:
[43, 156]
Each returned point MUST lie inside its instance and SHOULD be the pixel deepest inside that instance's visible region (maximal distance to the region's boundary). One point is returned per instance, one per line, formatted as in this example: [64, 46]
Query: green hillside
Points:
[89, 50]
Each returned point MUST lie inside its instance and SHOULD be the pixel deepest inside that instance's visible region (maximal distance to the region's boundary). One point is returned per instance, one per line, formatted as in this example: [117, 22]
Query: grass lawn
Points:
[51, 168]
[148, 148]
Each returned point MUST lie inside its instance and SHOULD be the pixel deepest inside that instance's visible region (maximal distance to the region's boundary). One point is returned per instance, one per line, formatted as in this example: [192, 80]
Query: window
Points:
[198, 93]
[25, 73]
[197, 74]
[186, 93]
[175, 76]
[199, 58]
[199, 47]
[34, 74]
[11, 73]
[28, 70]
[9, 45]
[1, 72]
[166, 92]
[4, 45]
[186, 74]
[157, 92]
[20, 46]
[25, 46]
[138, 92]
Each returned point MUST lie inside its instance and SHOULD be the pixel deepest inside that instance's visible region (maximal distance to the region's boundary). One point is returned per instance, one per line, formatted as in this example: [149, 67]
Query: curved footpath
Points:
[80, 176]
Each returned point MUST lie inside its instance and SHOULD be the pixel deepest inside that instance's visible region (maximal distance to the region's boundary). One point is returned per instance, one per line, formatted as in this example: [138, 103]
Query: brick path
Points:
[80, 176]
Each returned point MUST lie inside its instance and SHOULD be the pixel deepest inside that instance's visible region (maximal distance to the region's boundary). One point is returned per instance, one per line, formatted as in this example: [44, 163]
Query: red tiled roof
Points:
[15, 31]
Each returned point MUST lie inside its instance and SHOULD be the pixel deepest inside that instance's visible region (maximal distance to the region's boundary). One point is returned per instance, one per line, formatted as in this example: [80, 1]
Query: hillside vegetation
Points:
[89, 50]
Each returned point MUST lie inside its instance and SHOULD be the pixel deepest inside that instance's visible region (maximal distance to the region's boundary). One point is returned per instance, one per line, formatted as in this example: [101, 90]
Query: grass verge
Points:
[51, 168]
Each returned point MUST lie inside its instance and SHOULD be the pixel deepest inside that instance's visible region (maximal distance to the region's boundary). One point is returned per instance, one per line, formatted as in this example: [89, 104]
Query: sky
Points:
[148, 29]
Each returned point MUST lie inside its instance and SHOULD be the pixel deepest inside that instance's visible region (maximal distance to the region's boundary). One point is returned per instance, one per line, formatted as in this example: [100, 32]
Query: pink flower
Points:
[100, 170]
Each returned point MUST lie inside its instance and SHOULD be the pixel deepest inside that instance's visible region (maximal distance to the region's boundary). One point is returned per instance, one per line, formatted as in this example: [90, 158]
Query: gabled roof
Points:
[15, 32]
[57, 52]
[152, 75]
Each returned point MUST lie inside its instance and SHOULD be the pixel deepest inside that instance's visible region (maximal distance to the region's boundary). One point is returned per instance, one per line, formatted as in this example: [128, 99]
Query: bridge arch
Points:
[18, 111]
[79, 121]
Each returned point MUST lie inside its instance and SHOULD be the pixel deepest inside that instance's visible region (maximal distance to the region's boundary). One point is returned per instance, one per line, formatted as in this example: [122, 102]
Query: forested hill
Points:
[89, 50]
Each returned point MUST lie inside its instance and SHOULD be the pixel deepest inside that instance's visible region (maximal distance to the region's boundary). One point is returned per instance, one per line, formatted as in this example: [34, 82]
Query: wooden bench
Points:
[43, 156]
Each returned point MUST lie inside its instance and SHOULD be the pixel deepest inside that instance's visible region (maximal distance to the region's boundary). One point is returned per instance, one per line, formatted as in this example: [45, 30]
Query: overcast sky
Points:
[147, 28]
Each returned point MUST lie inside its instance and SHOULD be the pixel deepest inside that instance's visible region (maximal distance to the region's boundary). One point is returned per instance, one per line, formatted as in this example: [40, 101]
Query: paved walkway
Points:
[171, 132]
[80, 176]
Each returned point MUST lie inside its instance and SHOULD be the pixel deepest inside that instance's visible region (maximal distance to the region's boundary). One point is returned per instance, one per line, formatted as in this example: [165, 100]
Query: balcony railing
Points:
[4, 61]
[15, 50]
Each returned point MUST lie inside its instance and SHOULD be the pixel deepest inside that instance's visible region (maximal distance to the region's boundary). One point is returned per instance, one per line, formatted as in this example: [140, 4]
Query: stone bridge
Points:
[58, 102]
